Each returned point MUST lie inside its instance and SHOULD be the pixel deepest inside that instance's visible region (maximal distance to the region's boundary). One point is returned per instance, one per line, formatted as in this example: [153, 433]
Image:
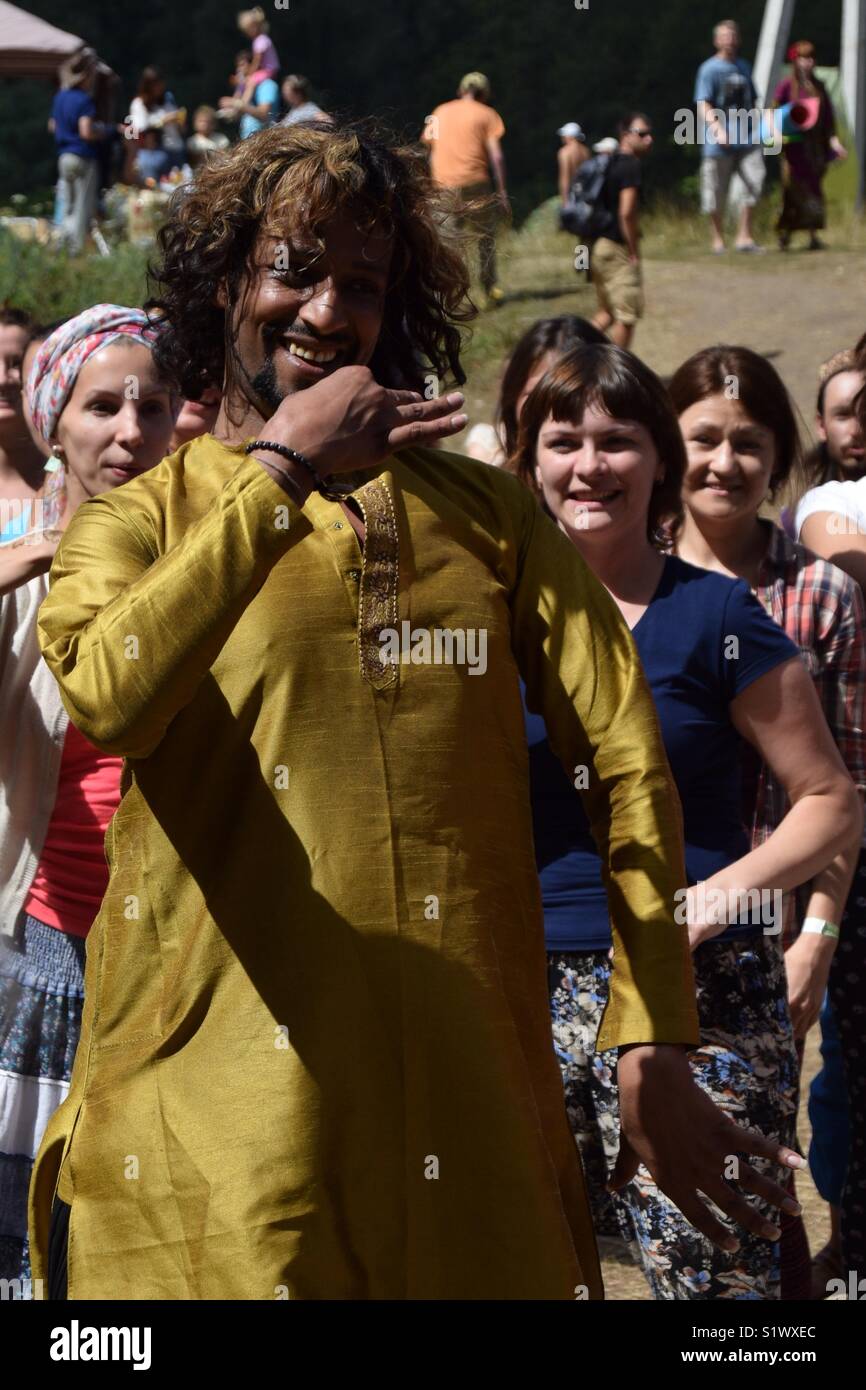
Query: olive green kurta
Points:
[316, 1057]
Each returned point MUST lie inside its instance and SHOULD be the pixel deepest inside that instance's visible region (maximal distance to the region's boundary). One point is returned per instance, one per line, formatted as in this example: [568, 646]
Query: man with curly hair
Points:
[316, 1058]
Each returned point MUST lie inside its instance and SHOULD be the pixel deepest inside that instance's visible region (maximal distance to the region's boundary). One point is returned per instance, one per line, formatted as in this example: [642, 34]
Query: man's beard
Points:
[265, 384]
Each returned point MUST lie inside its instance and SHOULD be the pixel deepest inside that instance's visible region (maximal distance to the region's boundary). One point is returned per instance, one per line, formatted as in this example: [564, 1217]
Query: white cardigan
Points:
[33, 726]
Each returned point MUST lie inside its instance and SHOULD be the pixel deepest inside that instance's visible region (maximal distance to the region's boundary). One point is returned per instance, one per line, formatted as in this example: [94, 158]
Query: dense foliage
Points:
[549, 62]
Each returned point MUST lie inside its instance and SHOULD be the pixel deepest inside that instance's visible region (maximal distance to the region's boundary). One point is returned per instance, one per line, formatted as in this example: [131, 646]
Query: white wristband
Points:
[818, 926]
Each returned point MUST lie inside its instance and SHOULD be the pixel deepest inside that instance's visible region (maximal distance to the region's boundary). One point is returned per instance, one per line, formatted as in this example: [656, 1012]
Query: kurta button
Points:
[338, 525]
[354, 574]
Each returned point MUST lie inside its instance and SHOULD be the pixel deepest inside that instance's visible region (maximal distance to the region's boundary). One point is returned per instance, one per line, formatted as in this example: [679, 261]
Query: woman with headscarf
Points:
[97, 399]
[808, 153]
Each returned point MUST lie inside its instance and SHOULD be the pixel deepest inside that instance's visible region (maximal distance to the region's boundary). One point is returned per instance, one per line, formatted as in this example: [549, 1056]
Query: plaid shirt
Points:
[822, 610]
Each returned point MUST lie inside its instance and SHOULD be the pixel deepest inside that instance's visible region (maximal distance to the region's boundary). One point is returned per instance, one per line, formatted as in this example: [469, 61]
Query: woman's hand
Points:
[807, 966]
[691, 1148]
[21, 563]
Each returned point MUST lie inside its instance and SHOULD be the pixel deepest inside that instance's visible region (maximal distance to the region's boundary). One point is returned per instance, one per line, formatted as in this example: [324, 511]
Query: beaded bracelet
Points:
[322, 486]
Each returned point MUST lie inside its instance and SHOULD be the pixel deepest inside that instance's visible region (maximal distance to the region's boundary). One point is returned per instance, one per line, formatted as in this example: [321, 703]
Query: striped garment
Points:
[822, 610]
[41, 999]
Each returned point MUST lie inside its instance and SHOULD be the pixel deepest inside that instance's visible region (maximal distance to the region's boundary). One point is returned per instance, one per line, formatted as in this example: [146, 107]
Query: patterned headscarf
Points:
[60, 358]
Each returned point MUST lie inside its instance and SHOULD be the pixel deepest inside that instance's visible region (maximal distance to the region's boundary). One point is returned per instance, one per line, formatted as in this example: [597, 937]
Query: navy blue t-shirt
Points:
[68, 108]
[702, 640]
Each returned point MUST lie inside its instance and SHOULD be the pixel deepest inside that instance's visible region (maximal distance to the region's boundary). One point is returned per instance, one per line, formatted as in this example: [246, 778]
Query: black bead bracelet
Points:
[322, 486]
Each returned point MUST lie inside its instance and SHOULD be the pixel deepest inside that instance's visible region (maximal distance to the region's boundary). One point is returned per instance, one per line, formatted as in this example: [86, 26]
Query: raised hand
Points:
[348, 421]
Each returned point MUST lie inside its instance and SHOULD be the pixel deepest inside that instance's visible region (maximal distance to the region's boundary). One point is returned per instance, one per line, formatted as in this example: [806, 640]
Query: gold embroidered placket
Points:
[377, 607]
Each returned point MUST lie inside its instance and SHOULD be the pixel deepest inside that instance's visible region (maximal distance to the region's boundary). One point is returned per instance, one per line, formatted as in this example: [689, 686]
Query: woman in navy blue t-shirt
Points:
[599, 443]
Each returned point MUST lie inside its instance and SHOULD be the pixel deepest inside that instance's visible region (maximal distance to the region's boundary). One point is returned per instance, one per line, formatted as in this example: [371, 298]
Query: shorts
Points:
[617, 282]
[717, 171]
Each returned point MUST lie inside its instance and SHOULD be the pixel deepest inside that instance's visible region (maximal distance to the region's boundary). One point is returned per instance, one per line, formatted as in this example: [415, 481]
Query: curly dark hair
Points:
[287, 179]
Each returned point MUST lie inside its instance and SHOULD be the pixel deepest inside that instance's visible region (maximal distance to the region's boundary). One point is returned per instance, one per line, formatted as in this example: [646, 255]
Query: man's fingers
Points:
[703, 1220]
[422, 431]
[750, 1142]
[740, 1211]
[403, 397]
[419, 409]
[764, 1187]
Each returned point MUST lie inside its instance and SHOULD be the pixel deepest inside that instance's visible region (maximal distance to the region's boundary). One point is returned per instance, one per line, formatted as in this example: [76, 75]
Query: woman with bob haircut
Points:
[740, 450]
[600, 446]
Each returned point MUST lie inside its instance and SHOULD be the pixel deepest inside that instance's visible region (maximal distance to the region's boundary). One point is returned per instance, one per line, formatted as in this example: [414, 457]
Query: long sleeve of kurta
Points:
[129, 633]
[584, 676]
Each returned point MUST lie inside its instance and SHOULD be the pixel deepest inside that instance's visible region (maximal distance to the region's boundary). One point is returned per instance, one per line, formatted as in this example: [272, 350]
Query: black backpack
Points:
[584, 214]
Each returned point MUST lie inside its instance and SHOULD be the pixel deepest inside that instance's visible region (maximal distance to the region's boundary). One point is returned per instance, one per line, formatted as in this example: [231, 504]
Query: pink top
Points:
[265, 57]
[72, 874]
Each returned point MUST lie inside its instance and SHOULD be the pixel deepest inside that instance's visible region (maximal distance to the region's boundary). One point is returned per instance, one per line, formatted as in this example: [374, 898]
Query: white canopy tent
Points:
[31, 48]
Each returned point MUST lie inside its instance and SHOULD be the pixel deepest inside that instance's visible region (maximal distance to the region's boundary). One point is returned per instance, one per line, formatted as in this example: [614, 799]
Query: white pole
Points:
[775, 31]
[852, 67]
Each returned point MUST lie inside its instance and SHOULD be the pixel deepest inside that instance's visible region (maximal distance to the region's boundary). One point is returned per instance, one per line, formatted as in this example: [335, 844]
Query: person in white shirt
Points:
[297, 96]
[831, 515]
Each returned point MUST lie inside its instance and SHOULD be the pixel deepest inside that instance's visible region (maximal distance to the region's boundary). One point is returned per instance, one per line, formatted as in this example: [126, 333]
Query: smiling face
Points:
[307, 311]
[597, 477]
[117, 423]
[838, 425]
[731, 458]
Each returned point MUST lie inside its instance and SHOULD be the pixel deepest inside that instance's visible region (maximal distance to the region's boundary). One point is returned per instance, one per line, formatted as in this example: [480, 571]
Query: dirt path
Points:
[796, 310]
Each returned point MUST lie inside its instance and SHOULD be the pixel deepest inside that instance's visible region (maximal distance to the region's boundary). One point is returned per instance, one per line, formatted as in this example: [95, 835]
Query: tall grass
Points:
[50, 285]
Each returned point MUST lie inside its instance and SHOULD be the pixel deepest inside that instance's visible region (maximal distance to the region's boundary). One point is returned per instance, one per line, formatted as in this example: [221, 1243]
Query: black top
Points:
[624, 172]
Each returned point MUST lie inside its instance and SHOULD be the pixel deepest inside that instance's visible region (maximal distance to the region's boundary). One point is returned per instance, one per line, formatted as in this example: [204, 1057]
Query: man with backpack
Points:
[607, 193]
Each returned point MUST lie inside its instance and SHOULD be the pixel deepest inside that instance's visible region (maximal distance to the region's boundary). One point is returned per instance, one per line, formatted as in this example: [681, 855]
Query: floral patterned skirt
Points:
[747, 1063]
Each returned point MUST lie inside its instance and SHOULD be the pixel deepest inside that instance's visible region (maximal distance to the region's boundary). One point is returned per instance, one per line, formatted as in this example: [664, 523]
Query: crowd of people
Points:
[599, 187]
[326, 972]
[151, 147]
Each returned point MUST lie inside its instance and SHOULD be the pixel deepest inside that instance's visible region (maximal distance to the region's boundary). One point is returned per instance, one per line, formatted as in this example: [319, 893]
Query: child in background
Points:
[152, 162]
[206, 139]
[266, 60]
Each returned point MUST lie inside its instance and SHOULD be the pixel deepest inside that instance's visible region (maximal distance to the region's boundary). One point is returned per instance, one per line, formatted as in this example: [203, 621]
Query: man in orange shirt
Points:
[464, 138]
